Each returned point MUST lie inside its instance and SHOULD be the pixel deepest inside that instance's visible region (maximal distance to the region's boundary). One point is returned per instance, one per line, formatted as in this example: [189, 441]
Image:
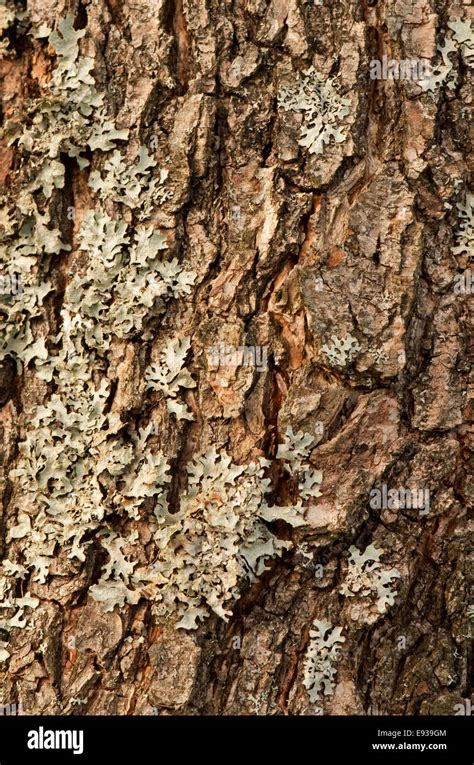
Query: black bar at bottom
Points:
[423, 740]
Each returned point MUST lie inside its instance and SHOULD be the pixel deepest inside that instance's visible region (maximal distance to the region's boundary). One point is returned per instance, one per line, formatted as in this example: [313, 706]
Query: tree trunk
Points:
[283, 273]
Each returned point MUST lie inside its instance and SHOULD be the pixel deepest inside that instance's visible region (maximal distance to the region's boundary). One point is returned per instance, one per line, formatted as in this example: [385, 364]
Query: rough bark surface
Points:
[289, 249]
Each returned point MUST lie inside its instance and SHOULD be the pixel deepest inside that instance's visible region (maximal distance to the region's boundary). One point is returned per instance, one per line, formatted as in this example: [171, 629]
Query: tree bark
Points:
[292, 252]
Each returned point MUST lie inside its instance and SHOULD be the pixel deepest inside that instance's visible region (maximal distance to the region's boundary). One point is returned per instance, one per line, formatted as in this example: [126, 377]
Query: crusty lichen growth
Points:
[294, 452]
[216, 541]
[14, 609]
[132, 185]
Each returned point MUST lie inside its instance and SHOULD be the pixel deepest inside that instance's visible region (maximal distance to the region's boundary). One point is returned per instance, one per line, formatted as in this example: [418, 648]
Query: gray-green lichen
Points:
[214, 544]
[132, 185]
[341, 351]
[25, 240]
[459, 39]
[294, 451]
[465, 233]
[366, 578]
[12, 18]
[79, 463]
[321, 658]
[169, 375]
[69, 118]
[318, 99]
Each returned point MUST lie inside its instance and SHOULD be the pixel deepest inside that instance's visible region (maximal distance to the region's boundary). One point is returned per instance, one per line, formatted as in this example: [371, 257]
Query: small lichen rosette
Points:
[366, 579]
[324, 109]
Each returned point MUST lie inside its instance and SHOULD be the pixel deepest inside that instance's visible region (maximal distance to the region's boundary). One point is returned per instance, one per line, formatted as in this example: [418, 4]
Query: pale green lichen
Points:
[465, 233]
[80, 463]
[459, 38]
[207, 550]
[131, 184]
[324, 110]
[341, 351]
[13, 608]
[127, 276]
[22, 247]
[12, 18]
[322, 656]
[294, 449]
[366, 578]
[169, 375]
[68, 118]
[77, 462]
[294, 452]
